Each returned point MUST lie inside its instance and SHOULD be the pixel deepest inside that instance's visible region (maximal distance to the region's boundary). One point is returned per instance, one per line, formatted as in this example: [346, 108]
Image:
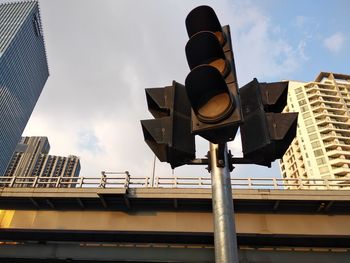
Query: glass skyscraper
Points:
[23, 71]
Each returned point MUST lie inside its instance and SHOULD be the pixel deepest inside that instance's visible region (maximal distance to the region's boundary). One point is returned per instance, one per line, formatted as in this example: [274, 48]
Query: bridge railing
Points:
[124, 180]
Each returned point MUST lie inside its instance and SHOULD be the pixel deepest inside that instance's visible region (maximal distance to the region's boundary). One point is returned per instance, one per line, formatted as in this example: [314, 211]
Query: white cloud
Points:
[300, 21]
[89, 142]
[335, 42]
[261, 50]
[301, 50]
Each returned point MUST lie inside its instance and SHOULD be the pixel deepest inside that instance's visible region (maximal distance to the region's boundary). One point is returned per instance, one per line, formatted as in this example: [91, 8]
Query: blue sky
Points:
[103, 54]
[320, 27]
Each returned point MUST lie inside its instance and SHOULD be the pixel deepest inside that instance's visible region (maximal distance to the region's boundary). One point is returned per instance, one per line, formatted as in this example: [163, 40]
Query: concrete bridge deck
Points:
[170, 225]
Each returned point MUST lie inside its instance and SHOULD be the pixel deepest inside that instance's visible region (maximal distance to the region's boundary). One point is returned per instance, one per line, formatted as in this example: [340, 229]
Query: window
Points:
[304, 108]
[324, 170]
[308, 122]
[298, 90]
[306, 115]
[300, 96]
[316, 144]
[302, 102]
[313, 136]
[318, 152]
[321, 161]
[311, 129]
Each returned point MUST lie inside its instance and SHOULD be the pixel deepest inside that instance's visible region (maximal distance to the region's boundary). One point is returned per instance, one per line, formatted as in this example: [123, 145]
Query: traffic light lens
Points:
[221, 37]
[221, 65]
[216, 107]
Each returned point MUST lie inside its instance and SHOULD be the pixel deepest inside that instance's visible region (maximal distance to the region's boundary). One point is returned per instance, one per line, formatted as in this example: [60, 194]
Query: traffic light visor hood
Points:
[208, 94]
[274, 95]
[204, 48]
[156, 102]
[203, 18]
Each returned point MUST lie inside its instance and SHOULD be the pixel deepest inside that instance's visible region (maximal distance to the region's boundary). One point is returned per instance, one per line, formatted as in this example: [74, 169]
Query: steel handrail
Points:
[124, 180]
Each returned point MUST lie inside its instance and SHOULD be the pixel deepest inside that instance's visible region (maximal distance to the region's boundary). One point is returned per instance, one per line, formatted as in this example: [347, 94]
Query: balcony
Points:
[333, 108]
[325, 128]
[340, 171]
[341, 121]
[337, 153]
[334, 104]
[339, 162]
[328, 136]
[335, 144]
[334, 96]
[326, 89]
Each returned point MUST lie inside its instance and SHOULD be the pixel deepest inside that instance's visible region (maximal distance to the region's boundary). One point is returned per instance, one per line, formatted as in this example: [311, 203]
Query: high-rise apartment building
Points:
[31, 159]
[23, 71]
[321, 149]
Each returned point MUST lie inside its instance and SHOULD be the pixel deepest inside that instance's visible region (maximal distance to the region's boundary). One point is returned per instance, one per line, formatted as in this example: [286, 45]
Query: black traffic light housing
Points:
[266, 132]
[211, 85]
[169, 134]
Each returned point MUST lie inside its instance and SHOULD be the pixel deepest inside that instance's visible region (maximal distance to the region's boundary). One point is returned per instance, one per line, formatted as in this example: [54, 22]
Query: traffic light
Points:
[169, 134]
[211, 85]
[266, 132]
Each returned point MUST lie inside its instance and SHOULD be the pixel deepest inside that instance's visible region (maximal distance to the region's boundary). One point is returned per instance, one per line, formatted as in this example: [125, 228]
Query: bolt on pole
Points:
[225, 239]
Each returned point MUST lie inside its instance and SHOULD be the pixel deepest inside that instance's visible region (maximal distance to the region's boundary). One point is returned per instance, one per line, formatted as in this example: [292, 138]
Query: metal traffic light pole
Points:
[225, 239]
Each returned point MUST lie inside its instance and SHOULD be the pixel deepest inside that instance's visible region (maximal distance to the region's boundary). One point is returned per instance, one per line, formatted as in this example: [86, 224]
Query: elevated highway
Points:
[170, 224]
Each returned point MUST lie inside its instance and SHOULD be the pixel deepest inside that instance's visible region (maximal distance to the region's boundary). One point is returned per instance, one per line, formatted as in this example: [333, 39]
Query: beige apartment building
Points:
[321, 149]
[31, 160]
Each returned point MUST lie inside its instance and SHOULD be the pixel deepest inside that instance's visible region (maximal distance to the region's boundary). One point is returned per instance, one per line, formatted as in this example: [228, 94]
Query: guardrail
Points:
[124, 180]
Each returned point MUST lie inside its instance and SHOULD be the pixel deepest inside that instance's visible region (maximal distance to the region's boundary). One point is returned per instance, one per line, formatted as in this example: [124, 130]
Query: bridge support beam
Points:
[98, 253]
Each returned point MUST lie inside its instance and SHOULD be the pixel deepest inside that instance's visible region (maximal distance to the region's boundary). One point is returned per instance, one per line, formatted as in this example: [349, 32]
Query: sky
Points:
[102, 54]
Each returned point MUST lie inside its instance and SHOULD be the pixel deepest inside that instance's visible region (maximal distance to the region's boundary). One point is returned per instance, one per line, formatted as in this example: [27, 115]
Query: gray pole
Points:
[153, 171]
[224, 228]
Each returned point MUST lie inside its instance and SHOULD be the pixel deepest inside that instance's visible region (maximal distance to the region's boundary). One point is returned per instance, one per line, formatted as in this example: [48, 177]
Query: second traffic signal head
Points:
[212, 84]
[266, 132]
[169, 134]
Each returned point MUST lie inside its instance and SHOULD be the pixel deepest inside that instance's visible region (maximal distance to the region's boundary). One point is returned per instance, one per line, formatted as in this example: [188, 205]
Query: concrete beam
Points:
[168, 221]
[61, 252]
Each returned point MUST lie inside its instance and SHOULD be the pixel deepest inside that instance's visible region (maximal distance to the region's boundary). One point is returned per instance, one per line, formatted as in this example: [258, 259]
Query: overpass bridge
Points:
[119, 219]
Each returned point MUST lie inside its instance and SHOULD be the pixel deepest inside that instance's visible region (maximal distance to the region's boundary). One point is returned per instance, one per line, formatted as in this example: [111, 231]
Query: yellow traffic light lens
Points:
[216, 107]
[221, 37]
[221, 65]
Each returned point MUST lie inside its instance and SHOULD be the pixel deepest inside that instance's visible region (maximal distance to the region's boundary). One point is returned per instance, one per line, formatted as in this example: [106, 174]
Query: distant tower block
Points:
[321, 149]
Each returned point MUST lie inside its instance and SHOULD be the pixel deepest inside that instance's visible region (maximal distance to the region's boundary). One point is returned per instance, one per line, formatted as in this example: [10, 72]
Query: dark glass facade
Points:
[23, 72]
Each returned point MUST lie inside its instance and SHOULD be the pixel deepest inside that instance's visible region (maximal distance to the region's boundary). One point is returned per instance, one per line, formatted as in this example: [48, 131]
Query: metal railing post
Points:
[58, 181]
[275, 183]
[250, 185]
[13, 180]
[327, 184]
[300, 182]
[127, 180]
[81, 182]
[102, 181]
[35, 181]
